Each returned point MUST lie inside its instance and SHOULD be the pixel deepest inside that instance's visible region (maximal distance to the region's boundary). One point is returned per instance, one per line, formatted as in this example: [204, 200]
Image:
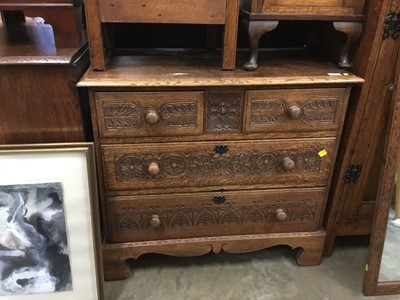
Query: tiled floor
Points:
[264, 275]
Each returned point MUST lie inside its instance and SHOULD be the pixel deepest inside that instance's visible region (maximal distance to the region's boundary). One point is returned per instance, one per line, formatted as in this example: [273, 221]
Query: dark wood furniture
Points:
[65, 17]
[222, 12]
[353, 193]
[262, 16]
[194, 159]
[39, 100]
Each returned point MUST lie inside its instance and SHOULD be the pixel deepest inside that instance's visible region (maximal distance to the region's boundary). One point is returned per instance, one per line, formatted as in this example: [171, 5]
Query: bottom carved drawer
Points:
[168, 216]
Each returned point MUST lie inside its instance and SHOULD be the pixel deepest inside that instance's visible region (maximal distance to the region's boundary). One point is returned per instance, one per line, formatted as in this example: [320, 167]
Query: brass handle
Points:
[152, 116]
[294, 111]
[280, 215]
[155, 221]
[288, 163]
[153, 168]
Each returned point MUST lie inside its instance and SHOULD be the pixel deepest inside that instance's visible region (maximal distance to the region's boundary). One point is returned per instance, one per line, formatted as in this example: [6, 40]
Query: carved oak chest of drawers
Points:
[193, 159]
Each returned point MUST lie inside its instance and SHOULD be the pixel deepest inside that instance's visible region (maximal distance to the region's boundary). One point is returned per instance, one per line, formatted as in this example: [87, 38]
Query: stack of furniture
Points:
[194, 159]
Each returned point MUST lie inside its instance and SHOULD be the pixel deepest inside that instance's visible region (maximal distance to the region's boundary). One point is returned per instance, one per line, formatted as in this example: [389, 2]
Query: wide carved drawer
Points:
[123, 114]
[294, 109]
[155, 217]
[270, 163]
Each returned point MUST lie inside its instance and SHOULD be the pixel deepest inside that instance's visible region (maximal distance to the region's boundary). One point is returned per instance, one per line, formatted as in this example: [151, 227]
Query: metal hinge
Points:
[353, 173]
[391, 28]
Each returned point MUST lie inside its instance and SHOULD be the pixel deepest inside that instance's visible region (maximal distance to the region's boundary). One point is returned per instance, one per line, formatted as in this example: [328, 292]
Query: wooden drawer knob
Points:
[152, 116]
[153, 168]
[280, 215]
[155, 221]
[294, 111]
[288, 163]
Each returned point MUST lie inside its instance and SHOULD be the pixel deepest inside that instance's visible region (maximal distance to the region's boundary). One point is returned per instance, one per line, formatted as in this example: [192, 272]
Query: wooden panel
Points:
[227, 164]
[310, 3]
[313, 7]
[155, 217]
[161, 11]
[298, 11]
[294, 110]
[34, 2]
[149, 114]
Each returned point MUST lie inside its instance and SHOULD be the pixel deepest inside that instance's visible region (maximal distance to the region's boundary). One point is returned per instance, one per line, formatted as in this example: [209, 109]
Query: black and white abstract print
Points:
[34, 256]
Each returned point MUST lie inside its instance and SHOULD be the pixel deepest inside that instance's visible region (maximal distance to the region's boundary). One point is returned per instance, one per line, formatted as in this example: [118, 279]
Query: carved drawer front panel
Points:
[294, 109]
[124, 114]
[270, 163]
[315, 7]
[154, 217]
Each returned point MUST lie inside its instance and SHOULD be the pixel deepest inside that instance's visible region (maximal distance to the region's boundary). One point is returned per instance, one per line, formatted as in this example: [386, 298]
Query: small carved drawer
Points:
[125, 114]
[294, 109]
[263, 163]
[155, 217]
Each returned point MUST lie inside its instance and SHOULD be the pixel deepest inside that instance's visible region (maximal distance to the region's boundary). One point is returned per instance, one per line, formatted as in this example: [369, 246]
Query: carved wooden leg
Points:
[115, 268]
[255, 30]
[353, 31]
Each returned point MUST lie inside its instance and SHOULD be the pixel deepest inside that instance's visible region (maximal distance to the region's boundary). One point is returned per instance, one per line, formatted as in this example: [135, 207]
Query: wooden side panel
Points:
[161, 11]
[95, 35]
[155, 217]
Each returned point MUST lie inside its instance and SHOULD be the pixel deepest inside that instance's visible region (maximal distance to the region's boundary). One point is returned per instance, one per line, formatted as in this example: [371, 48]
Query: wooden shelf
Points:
[180, 68]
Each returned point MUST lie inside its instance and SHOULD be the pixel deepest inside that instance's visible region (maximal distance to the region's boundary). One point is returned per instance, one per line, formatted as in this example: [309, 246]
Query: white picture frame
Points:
[42, 258]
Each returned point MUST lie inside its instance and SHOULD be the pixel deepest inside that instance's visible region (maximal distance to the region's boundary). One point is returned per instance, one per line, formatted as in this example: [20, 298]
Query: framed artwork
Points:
[49, 224]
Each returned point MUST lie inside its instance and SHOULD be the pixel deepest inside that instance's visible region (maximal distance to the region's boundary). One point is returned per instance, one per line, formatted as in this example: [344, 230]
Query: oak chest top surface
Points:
[183, 69]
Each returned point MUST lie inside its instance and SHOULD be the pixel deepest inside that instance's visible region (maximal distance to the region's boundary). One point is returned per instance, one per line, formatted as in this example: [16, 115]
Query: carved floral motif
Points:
[223, 111]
